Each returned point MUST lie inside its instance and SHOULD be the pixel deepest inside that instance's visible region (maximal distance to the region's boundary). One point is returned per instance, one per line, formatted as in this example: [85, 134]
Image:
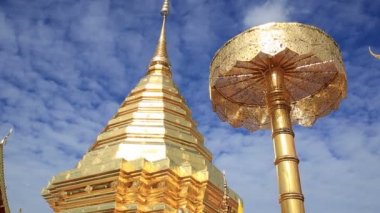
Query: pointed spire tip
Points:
[161, 55]
[5, 139]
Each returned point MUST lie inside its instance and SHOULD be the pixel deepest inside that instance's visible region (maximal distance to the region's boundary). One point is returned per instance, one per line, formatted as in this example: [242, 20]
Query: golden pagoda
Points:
[150, 157]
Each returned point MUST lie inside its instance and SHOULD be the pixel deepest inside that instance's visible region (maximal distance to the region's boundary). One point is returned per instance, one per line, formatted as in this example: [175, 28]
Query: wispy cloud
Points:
[270, 11]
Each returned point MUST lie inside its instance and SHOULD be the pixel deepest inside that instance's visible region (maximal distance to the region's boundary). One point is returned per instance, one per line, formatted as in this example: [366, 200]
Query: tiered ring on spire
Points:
[165, 8]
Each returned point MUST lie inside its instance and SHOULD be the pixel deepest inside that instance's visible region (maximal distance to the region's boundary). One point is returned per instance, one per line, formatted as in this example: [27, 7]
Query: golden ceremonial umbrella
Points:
[313, 73]
[275, 75]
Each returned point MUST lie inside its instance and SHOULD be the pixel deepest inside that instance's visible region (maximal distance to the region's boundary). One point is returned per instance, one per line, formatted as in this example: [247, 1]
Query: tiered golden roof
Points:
[150, 157]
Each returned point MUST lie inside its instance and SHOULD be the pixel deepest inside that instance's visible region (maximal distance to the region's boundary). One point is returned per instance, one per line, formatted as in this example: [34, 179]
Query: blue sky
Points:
[66, 65]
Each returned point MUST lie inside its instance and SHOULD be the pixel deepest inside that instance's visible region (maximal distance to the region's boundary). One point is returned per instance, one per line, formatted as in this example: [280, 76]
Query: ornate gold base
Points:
[138, 186]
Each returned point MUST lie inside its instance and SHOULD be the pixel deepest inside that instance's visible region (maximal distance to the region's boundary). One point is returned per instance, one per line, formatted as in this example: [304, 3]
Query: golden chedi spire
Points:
[4, 207]
[150, 157]
[161, 54]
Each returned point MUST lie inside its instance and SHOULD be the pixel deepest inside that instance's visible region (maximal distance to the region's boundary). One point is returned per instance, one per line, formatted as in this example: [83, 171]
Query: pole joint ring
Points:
[278, 131]
[280, 159]
[291, 195]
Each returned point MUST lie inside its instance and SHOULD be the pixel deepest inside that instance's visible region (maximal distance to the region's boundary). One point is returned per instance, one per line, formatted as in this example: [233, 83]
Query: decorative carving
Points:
[135, 184]
[114, 184]
[88, 189]
[63, 195]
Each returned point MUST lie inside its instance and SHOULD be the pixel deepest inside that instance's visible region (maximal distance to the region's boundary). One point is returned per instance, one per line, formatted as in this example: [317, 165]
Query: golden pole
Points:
[286, 160]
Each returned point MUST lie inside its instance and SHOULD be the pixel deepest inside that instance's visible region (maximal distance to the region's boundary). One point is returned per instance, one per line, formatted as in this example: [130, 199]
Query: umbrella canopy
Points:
[310, 60]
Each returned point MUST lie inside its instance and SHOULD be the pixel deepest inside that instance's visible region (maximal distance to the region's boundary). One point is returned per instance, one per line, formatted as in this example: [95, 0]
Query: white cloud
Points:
[336, 157]
[270, 11]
